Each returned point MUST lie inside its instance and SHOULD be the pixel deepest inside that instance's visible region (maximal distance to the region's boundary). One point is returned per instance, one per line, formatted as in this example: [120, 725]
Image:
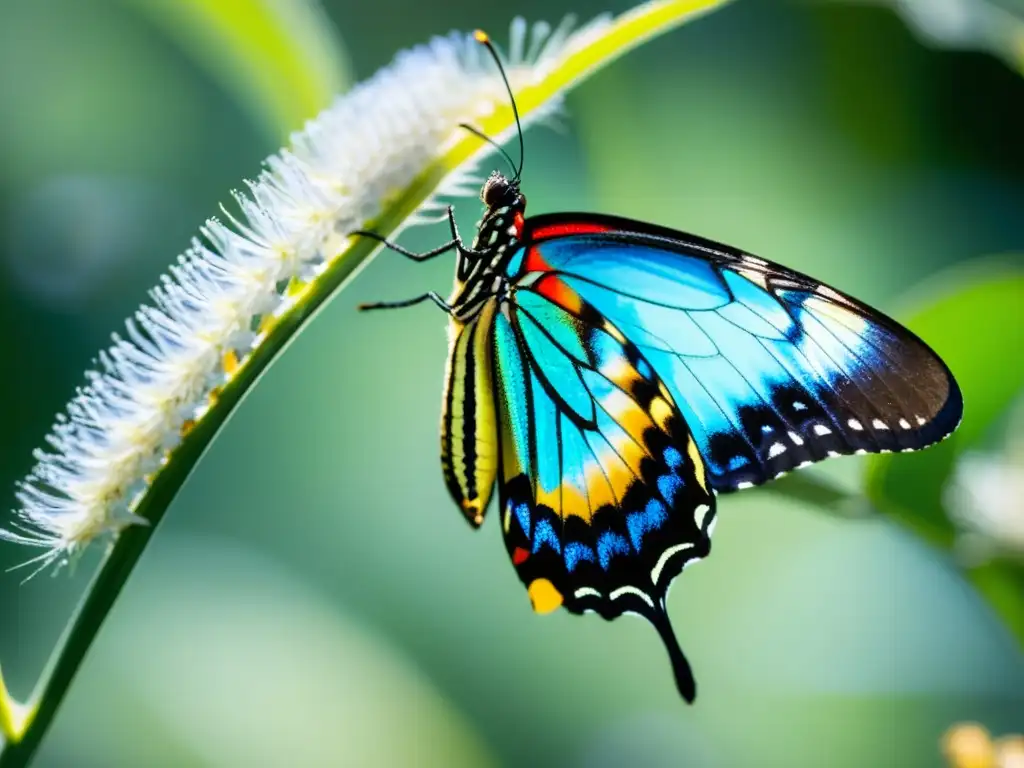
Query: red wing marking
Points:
[567, 228]
[534, 262]
[551, 287]
[519, 222]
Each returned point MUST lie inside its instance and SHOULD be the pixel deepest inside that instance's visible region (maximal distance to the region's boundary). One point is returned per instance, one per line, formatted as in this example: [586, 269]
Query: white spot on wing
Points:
[700, 513]
[920, 422]
[905, 424]
[632, 591]
[744, 485]
[879, 424]
[798, 406]
[586, 592]
[660, 565]
[775, 450]
[821, 429]
[854, 424]
[797, 440]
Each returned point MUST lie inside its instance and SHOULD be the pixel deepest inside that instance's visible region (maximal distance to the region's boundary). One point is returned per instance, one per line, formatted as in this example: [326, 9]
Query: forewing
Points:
[770, 369]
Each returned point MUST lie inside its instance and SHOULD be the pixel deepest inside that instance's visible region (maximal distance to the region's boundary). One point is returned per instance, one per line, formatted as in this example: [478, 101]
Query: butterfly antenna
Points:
[481, 135]
[481, 37]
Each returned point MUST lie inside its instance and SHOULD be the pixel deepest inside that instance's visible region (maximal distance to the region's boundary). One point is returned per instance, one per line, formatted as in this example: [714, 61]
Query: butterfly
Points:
[612, 377]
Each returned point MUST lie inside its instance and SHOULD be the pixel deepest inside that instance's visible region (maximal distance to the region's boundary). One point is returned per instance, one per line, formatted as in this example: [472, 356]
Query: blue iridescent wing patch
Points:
[770, 369]
[604, 497]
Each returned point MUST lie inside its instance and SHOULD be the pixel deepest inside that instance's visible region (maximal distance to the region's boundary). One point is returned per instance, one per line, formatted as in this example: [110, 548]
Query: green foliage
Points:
[974, 321]
[282, 57]
[971, 317]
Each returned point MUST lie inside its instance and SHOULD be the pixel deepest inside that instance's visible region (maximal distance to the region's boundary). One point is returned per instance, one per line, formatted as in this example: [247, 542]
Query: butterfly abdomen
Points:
[468, 430]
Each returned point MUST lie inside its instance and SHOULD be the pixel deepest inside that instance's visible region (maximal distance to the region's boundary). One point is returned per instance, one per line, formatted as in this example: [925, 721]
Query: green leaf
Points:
[819, 492]
[1001, 583]
[282, 57]
[973, 319]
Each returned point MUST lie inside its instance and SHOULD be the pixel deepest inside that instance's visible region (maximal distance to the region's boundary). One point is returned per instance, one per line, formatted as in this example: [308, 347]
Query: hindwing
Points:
[604, 495]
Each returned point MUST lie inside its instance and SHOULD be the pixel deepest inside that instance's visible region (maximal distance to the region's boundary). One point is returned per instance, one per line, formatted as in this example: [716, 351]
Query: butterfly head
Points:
[499, 191]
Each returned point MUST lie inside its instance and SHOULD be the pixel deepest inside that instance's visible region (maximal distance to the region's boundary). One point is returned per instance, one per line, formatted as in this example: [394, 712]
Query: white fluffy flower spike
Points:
[232, 301]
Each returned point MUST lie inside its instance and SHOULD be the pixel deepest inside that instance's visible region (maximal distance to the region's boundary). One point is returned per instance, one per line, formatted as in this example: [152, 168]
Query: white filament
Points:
[157, 377]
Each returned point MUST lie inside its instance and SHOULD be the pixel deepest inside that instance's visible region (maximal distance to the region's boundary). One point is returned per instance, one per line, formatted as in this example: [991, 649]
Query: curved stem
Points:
[23, 726]
[14, 716]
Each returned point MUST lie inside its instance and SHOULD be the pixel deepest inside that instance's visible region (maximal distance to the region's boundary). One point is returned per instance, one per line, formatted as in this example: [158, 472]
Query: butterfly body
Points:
[468, 427]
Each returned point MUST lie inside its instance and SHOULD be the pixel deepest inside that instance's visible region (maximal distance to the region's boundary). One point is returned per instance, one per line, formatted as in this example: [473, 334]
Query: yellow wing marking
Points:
[574, 502]
[630, 416]
[543, 595]
[620, 373]
[598, 487]
[661, 412]
[614, 332]
[698, 464]
[615, 476]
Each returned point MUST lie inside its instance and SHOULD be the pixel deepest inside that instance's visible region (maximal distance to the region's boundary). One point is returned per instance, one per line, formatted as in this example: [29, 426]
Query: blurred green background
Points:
[314, 598]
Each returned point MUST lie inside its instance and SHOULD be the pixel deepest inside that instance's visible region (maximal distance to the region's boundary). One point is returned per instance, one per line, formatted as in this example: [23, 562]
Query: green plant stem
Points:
[12, 714]
[24, 737]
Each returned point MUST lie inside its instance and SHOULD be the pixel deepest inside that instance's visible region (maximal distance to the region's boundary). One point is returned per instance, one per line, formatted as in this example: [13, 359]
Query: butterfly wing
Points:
[770, 369]
[603, 492]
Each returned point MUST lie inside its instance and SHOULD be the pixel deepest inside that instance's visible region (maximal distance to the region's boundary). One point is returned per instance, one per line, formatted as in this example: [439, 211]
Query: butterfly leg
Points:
[456, 237]
[425, 256]
[429, 296]
[455, 243]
